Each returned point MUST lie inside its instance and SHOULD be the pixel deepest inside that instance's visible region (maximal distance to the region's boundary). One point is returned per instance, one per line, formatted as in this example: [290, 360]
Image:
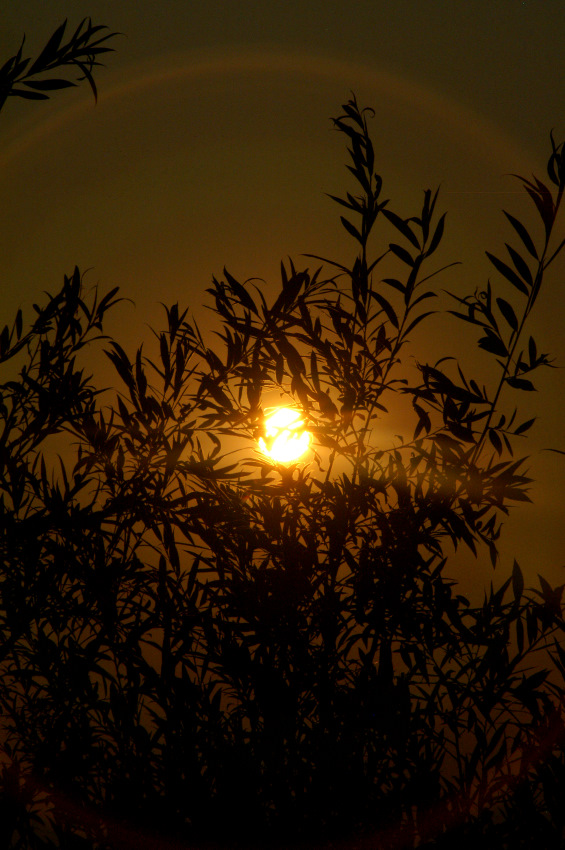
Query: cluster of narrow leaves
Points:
[502, 322]
[201, 645]
[21, 77]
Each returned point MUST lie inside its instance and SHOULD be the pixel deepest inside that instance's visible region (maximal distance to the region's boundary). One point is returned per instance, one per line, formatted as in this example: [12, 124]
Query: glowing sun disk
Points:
[285, 438]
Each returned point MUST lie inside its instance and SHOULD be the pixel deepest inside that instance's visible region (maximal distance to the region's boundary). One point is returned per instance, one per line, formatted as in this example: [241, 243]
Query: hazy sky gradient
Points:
[211, 145]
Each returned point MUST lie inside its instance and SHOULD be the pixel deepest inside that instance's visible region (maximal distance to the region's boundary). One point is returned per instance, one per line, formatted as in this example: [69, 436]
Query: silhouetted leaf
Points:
[466, 318]
[140, 377]
[4, 340]
[396, 284]
[350, 204]
[495, 440]
[314, 371]
[508, 273]
[508, 312]
[532, 682]
[554, 159]
[401, 253]
[387, 307]
[402, 226]
[516, 495]
[217, 393]
[525, 426]
[88, 77]
[542, 200]
[279, 366]
[436, 238]
[351, 229]
[240, 292]
[19, 320]
[520, 384]
[417, 320]
[291, 355]
[48, 85]
[523, 234]
[121, 362]
[521, 266]
[49, 52]
[517, 582]
[494, 344]
[547, 590]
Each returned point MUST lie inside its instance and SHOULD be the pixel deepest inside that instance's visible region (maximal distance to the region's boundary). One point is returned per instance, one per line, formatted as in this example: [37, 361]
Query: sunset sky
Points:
[211, 145]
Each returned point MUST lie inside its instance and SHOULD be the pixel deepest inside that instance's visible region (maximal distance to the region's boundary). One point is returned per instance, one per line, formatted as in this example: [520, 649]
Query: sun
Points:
[285, 437]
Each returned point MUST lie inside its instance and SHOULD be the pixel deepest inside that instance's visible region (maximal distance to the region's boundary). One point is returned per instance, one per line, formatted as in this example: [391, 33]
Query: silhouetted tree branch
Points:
[20, 77]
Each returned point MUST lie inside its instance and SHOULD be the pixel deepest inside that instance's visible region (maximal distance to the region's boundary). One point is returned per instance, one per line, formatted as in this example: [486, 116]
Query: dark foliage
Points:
[21, 77]
[201, 647]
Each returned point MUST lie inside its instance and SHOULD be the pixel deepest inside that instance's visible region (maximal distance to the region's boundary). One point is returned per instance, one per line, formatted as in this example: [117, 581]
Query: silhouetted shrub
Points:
[201, 645]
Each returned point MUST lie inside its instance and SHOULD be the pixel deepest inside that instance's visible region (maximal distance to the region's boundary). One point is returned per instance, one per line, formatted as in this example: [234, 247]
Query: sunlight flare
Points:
[285, 439]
